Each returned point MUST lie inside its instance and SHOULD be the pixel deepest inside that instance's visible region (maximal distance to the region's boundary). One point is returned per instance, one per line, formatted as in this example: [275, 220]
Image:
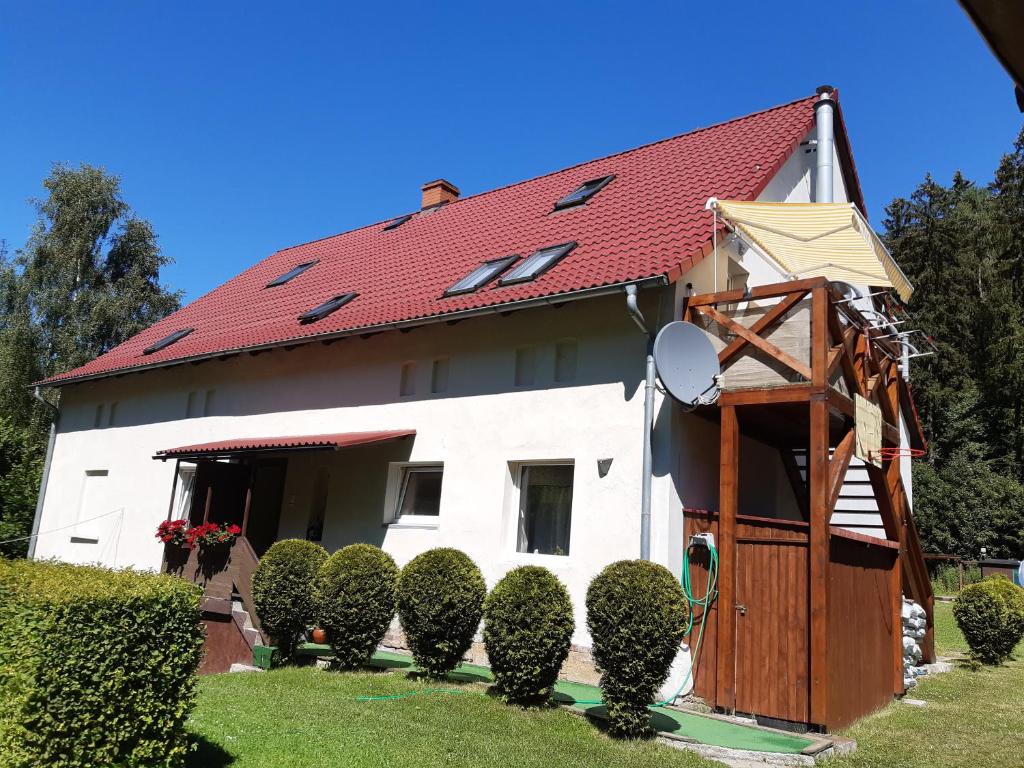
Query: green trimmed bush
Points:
[97, 667]
[440, 601]
[990, 617]
[1014, 597]
[355, 601]
[636, 614]
[528, 625]
[282, 590]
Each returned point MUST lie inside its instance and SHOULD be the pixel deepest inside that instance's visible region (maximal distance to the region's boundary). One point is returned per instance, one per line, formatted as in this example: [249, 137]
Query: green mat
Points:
[690, 725]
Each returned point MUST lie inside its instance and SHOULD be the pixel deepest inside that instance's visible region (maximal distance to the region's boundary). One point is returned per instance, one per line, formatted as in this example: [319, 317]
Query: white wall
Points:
[475, 428]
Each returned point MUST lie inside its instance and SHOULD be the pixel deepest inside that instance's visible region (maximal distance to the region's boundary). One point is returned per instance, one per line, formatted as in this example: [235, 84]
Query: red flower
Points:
[211, 534]
[172, 532]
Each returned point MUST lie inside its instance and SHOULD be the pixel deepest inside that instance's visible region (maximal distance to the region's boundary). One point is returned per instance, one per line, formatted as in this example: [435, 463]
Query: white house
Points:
[465, 375]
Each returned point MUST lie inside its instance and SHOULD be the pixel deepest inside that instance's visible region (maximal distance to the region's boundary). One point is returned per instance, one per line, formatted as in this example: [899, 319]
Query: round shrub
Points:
[1013, 631]
[527, 628]
[282, 590]
[355, 601]
[440, 601]
[986, 616]
[636, 614]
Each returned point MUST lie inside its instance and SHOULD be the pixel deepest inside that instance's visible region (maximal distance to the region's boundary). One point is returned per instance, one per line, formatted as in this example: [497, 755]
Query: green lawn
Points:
[310, 718]
[973, 719]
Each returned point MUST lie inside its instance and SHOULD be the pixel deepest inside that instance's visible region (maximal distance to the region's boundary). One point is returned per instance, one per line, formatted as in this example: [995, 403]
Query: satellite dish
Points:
[850, 292]
[687, 363]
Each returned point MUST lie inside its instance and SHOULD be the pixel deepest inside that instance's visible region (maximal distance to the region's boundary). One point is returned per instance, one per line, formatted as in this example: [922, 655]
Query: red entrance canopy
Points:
[304, 442]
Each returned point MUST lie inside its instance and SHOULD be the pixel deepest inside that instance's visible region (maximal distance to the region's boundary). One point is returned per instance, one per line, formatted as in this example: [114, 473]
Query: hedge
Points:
[636, 614]
[440, 601]
[355, 601]
[97, 667]
[991, 617]
[282, 590]
[528, 626]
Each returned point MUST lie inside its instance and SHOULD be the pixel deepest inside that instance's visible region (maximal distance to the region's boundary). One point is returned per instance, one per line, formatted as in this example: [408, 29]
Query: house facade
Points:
[448, 394]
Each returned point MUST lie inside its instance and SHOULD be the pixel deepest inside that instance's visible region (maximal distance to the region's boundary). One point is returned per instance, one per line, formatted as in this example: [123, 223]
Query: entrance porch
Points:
[270, 488]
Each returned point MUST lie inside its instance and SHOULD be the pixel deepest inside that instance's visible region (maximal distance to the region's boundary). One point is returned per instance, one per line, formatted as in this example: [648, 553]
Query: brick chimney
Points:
[437, 192]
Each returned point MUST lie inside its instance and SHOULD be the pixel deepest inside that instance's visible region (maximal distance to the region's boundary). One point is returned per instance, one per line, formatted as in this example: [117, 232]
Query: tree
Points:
[962, 248]
[87, 279]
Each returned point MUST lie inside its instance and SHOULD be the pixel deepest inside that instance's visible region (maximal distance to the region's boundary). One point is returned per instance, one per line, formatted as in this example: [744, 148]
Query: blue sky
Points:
[240, 128]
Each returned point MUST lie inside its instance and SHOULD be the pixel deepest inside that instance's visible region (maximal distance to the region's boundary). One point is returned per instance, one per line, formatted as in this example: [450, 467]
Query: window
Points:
[407, 383]
[208, 402]
[166, 341]
[545, 509]
[526, 366]
[565, 360]
[90, 507]
[97, 420]
[192, 408]
[112, 414]
[536, 264]
[420, 494]
[439, 376]
[396, 223]
[331, 305]
[291, 274]
[480, 276]
[183, 496]
[583, 192]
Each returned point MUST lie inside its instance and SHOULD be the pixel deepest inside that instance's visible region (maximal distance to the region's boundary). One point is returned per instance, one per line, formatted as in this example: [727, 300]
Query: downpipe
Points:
[648, 463]
[55, 415]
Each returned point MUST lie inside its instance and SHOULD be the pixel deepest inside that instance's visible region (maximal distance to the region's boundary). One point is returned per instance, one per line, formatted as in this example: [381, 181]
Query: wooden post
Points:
[248, 502]
[728, 501]
[209, 501]
[818, 559]
[819, 493]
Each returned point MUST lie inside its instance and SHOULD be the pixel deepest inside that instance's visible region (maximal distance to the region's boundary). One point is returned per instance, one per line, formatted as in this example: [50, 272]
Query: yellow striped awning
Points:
[818, 239]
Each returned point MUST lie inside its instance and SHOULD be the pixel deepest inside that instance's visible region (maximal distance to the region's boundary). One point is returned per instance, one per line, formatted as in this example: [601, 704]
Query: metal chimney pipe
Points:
[824, 111]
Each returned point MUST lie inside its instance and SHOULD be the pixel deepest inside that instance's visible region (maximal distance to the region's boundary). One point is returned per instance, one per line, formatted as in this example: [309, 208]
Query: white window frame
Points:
[398, 480]
[517, 473]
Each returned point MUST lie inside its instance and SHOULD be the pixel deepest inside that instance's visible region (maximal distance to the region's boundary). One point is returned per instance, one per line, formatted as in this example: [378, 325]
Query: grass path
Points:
[973, 719]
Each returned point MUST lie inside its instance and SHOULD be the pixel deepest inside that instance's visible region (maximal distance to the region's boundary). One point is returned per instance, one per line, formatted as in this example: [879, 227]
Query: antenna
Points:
[687, 364]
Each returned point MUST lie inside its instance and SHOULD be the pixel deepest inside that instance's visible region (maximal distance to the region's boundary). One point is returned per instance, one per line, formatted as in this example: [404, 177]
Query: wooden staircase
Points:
[225, 574]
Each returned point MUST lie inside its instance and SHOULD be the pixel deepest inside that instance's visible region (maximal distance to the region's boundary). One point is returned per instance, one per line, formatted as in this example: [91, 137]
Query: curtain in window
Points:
[546, 512]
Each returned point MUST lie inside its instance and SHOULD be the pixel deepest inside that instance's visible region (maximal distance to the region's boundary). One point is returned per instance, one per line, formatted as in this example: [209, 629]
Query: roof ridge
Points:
[637, 148]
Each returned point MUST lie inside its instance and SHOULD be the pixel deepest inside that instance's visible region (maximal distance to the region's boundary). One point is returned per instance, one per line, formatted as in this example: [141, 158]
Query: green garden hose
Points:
[704, 602]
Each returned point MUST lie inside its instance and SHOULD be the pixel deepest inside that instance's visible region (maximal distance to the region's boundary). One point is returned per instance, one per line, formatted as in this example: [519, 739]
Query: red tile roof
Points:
[649, 222]
[340, 440]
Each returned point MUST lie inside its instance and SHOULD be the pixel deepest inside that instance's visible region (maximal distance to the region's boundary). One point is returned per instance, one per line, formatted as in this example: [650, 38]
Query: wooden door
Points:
[772, 673]
[222, 487]
[265, 507]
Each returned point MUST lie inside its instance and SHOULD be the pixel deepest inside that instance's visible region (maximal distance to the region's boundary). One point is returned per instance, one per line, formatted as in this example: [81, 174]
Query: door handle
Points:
[741, 608]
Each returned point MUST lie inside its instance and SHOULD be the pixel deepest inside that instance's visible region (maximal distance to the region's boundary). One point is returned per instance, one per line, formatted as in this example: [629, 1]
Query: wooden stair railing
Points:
[220, 572]
[247, 562]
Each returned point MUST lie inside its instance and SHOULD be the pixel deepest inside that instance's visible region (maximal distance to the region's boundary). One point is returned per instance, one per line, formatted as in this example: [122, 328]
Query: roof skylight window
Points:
[291, 274]
[166, 341]
[480, 276]
[583, 192]
[537, 263]
[396, 223]
[331, 305]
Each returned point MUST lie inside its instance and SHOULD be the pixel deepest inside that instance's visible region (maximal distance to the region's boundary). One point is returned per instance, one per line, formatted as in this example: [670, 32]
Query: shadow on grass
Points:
[208, 755]
[388, 664]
